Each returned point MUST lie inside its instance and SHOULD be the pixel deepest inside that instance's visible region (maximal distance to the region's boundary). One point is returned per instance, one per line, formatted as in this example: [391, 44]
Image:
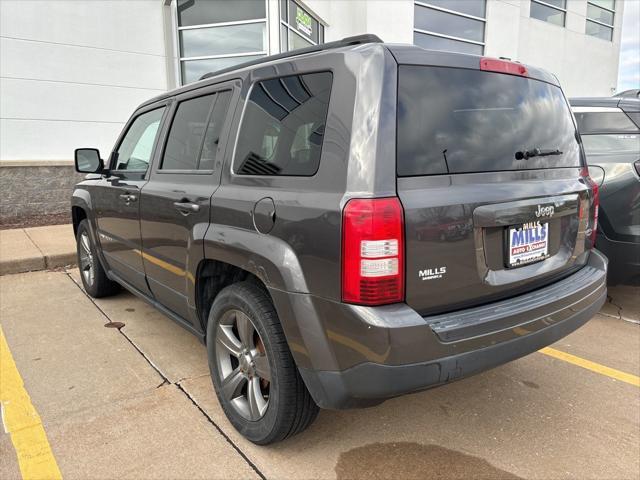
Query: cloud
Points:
[629, 70]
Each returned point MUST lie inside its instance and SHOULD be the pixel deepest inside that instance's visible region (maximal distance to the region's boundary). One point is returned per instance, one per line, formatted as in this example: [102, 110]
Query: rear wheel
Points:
[94, 278]
[253, 372]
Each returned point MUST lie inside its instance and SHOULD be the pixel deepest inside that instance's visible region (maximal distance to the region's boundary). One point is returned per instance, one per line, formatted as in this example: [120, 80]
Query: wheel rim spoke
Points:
[232, 384]
[227, 339]
[245, 330]
[257, 403]
[242, 365]
[84, 240]
[86, 259]
[262, 367]
[84, 262]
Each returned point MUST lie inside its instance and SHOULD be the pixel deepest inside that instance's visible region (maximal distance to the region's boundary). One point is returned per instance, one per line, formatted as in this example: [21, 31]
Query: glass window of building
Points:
[216, 34]
[600, 14]
[452, 25]
[298, 28]
[551, 11]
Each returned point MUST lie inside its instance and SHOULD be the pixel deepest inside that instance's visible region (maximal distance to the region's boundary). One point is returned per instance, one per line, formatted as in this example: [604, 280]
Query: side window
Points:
[635, 116]
[601, 122]
[136, 148]
[184, 142]
[212, 135]
[283, 126]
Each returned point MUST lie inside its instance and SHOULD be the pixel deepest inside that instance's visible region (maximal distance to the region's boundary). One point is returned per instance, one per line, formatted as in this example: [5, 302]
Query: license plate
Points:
[528, 243]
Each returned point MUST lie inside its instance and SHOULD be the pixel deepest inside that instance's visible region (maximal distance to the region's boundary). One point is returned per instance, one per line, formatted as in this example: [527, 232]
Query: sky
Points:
[629, 72]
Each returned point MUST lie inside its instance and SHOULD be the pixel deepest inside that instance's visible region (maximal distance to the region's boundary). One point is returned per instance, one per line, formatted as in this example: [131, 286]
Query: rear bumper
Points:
[352, 356]
[624, 258]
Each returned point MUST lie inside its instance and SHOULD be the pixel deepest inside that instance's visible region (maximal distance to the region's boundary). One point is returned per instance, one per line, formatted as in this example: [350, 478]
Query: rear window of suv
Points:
[453, 120]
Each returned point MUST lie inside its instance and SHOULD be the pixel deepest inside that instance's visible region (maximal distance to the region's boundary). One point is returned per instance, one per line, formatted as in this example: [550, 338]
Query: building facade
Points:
[71, 71]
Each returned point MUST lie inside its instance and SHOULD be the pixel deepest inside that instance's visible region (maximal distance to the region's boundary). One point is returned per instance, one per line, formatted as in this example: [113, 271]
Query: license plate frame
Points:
[526, 243]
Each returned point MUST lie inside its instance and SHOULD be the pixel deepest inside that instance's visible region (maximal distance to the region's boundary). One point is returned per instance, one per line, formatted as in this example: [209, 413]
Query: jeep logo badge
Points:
[545, 211]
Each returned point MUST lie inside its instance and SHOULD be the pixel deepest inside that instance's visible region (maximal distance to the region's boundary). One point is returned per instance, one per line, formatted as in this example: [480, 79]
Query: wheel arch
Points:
[77, 215]
[211, 277]
[80, 207]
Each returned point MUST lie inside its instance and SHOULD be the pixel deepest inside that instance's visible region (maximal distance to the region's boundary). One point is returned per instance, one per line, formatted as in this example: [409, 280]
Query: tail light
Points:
[372, 251]
[595, 203]
[503, 66]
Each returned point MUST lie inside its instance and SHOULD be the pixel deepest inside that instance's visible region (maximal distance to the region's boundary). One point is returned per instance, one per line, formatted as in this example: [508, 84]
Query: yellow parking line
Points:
[594, 367]
[22, 422]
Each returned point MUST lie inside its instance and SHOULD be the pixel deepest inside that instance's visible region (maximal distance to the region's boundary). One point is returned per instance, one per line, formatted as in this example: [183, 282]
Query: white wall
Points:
[72, 72]
[391, 20]
[585, 65]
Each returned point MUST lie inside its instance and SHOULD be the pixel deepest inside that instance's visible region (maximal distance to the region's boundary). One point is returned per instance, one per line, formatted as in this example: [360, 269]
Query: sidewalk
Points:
[36, 248]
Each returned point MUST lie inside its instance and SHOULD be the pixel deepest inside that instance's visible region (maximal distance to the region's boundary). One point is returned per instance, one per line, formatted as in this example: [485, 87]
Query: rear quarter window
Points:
[635, 116]
[453, 120]
[283, 126]
[604, 122]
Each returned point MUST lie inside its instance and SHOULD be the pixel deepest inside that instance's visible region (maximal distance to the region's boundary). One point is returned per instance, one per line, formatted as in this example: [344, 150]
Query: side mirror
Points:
[88, 160]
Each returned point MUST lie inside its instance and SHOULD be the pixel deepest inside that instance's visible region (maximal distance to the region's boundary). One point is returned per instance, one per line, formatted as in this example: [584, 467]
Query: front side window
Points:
[551, 11]
[216, 34]
[455, 120]
[450, 25]
[283, 126]
[136, 148]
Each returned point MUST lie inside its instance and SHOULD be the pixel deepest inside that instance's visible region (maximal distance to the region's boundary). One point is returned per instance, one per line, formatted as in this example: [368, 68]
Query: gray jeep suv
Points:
[346, 223]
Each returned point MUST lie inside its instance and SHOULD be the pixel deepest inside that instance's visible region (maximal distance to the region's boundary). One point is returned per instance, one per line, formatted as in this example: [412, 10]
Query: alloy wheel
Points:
[243, 366]
[86, 259]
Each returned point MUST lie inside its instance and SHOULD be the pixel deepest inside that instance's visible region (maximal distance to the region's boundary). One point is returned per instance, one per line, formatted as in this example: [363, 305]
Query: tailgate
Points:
[490, 177]
[460, 252]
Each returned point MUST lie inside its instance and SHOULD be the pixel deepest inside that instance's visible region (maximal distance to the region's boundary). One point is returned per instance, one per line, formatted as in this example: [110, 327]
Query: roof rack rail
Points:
[345, 42]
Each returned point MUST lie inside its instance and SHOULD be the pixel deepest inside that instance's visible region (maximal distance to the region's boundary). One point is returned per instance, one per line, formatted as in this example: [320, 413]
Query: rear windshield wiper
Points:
[536, 152]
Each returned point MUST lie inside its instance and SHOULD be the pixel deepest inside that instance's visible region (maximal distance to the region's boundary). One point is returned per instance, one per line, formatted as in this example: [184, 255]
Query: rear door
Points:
[117, 197]
[489, 175]
[175, 203]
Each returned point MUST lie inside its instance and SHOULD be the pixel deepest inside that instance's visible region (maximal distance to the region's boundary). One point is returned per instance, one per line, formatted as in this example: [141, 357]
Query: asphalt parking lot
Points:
[137, 402]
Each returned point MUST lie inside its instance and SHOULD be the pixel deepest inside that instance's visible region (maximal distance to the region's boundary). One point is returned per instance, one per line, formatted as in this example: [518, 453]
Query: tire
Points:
[94, 278]
[243, 318]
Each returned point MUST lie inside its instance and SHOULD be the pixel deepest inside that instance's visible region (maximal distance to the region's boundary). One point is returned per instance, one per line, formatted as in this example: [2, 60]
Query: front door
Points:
[118, 199]
[174, 206]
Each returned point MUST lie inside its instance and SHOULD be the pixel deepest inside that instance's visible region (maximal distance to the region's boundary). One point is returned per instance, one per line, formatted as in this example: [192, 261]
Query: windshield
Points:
[611, 143]
[453, 120]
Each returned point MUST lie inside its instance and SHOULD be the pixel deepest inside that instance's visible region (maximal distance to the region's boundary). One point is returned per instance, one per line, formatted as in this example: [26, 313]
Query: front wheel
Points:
[94, 278]
[254, 375]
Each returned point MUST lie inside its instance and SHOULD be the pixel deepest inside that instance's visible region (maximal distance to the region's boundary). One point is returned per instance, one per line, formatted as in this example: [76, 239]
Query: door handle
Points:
[127, 197]
[186, 207]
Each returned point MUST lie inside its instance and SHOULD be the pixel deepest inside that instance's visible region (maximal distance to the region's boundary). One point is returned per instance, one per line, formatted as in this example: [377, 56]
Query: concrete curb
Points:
[38, 248]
